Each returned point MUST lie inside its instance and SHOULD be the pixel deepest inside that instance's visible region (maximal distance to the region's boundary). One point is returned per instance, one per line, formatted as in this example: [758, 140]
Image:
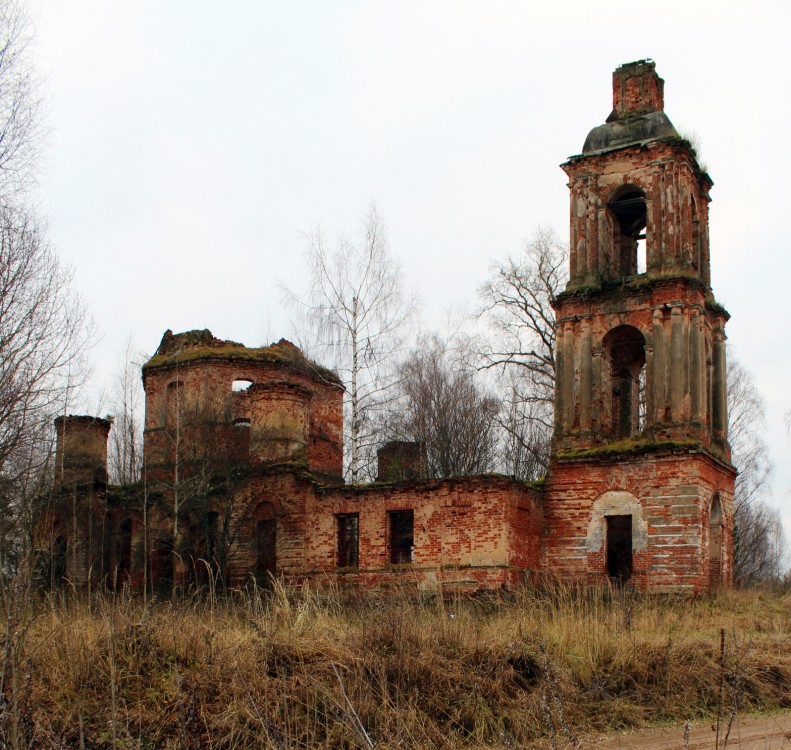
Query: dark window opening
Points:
[163, 563]
[625, 348]
[124, 551]
[58, 562]
[402, 525]
[619, 548]
[348, 540]
[628, 208]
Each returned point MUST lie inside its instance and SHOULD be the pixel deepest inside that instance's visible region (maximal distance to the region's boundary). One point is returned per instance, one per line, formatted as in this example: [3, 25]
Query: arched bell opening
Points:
[628, 210]
[624, 349]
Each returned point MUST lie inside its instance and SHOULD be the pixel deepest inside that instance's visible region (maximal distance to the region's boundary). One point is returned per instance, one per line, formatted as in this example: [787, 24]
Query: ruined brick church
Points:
[244, 446]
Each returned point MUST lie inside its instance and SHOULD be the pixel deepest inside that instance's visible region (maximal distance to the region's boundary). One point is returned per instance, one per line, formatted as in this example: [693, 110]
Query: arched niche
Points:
[627, 210]
[624, 351]
[265, 540]
[172, 407]
[716, 536]
[617, 530]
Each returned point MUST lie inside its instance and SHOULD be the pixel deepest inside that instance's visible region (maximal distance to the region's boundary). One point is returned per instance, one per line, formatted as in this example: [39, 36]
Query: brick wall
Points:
[669, 495]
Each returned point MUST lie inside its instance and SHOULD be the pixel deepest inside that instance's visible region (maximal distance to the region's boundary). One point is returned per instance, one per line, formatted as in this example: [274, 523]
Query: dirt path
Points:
[755, 733]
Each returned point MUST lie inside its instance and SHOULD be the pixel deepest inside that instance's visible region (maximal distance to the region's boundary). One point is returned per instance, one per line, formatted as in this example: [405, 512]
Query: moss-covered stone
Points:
[632, 447]
[192, 346]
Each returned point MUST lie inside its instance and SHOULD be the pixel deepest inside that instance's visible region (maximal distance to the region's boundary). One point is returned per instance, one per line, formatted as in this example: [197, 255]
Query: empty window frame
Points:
[348, 539]
[402, 534]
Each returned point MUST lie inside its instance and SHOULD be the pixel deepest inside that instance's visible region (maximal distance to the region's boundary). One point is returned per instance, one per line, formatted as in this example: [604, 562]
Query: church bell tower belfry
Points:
[641, 486]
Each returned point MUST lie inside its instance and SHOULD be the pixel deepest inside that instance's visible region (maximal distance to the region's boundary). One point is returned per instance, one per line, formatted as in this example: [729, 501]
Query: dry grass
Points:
[318, 669]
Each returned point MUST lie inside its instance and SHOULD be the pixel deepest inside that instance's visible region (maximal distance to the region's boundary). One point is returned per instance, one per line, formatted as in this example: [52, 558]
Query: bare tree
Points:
[44, 331]
[127, 403]
[442, 405]
[357, 314]
[526, 428]
[517, 305]
[44, 327]
[759, 541]
[21, 132]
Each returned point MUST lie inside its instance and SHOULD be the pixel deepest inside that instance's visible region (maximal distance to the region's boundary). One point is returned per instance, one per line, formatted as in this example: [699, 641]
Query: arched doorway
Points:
[617, 537]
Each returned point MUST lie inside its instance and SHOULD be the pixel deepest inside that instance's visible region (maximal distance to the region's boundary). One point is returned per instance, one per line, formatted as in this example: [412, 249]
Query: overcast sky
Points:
[193, 143]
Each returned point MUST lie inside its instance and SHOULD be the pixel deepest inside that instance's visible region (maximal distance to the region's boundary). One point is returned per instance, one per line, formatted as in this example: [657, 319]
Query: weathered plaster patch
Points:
[616, 503]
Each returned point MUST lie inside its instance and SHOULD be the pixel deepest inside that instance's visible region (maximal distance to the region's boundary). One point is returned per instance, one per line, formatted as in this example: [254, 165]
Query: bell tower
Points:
[640, 405]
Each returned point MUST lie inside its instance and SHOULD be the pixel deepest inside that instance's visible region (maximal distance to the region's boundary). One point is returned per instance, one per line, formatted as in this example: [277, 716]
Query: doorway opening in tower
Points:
[619, 548]
[627, 205]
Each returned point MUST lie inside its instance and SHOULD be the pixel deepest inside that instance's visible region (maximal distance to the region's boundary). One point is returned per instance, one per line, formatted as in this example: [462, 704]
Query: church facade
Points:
[244, 446]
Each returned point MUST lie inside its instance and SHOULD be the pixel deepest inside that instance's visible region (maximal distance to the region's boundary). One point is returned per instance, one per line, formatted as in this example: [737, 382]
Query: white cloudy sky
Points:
[192, 143]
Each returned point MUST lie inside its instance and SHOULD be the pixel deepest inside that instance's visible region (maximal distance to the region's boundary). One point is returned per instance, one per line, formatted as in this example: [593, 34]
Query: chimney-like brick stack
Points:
[637, 90]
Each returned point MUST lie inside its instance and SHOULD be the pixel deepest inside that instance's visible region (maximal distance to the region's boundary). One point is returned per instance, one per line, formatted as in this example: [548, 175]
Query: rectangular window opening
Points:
[402, 527]
[348, 540]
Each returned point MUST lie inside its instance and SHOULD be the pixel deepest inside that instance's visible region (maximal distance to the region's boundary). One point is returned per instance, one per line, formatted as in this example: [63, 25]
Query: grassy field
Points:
[300, 668]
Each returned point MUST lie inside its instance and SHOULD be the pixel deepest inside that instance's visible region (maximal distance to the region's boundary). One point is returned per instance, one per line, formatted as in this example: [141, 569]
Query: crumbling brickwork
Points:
[243, 446]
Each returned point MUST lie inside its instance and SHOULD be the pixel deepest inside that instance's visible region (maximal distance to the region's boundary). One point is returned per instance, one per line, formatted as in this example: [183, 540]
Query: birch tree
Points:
[125, 451]
[21, 129]
[356, 315]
